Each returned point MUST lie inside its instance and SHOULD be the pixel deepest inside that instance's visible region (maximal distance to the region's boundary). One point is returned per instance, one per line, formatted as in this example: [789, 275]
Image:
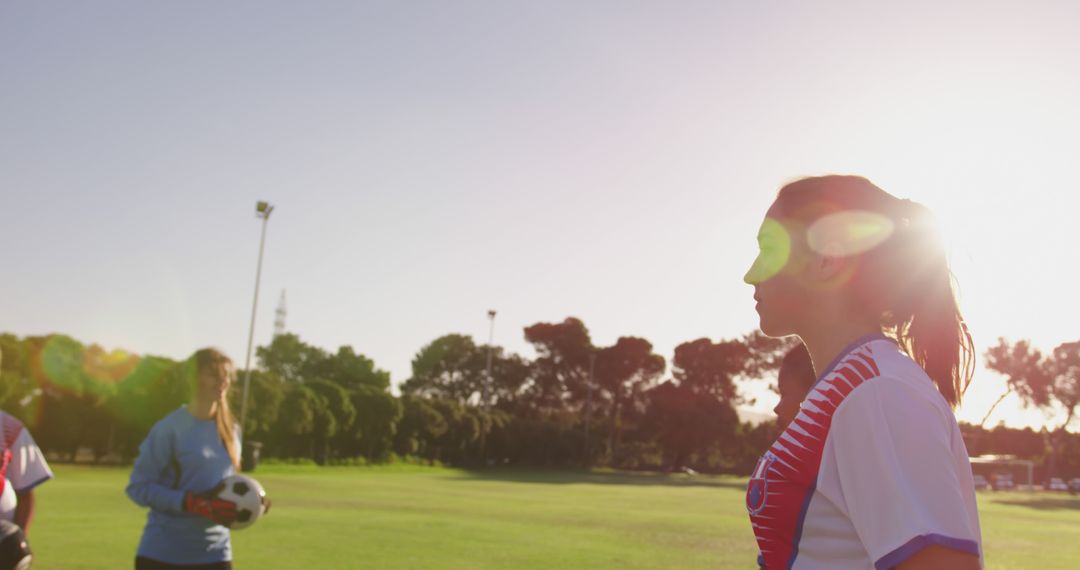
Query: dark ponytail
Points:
[904, 281]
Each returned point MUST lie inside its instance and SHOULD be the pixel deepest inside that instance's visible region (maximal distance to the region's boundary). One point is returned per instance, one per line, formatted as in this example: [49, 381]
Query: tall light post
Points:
[491, 341]
[262, 210]
[588, 408]
[485, 391]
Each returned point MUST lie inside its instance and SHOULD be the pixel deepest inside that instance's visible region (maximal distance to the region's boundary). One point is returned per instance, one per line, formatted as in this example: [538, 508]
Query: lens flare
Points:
[153, 388]
[60, 365]
[129, 388]
[848, 233]
[108, 367]
[774, 251]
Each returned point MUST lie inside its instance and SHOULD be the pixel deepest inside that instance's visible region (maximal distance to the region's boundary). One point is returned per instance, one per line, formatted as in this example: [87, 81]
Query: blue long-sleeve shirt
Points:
[182, 453]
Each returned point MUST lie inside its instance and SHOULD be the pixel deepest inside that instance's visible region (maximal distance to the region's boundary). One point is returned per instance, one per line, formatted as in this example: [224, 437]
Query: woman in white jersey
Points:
[872, 472]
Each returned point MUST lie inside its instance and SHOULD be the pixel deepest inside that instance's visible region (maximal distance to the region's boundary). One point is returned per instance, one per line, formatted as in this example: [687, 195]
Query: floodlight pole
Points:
[262, 210]
[487, 372]
[485, 390]
[588, 407]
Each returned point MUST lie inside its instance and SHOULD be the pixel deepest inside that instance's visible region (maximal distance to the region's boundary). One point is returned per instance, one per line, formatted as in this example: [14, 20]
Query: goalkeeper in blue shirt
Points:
[179, 471]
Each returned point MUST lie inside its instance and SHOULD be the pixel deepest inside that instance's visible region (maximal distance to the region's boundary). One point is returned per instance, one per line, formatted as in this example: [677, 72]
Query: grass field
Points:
[429, 518]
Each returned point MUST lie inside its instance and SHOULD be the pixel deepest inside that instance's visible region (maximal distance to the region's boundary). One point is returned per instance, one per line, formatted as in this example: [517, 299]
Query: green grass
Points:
[430, 518]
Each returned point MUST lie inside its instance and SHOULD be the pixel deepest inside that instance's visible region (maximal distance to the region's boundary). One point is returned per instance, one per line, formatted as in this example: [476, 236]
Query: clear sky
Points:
[433, 160]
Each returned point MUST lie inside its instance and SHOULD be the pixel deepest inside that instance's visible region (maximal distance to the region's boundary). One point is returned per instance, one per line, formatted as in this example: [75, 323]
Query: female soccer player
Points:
[178, 472]
[794, 380]
[872, 472]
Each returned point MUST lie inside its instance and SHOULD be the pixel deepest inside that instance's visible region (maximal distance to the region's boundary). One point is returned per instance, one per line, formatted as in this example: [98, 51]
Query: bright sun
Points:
[1007, 244]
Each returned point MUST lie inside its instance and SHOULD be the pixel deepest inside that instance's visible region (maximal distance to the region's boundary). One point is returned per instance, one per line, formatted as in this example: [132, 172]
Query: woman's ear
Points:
[830, 268]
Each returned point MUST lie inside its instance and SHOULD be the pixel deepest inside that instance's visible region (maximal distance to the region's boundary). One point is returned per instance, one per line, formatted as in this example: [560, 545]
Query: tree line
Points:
[575, 404]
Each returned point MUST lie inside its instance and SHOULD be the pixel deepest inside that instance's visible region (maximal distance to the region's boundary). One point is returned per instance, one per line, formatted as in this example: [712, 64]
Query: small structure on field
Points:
[993, 465]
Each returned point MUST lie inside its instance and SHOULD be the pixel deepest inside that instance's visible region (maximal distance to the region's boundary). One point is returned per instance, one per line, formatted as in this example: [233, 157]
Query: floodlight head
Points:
[491, 313]
[263, 209]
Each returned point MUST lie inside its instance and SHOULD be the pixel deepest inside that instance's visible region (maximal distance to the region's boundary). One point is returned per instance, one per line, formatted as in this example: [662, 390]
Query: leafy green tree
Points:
[560, 371]
[456, 445]
[72, 412]
[291, 359]
[1025, 375]
[336, 415]
[510, 375]
[450, 367]
[377, 416]
[764, 354]
[453, 367]
[554, 440]
[350, 370]
[747, 444]
[298, 421]
[1064, 370]
[153, 389]
[716, 367]
[421, 424]
[711, 368]
[687, 422]
[18, 390]
[266, 394]
[1043, 381]
[325, 414]
[624, 372]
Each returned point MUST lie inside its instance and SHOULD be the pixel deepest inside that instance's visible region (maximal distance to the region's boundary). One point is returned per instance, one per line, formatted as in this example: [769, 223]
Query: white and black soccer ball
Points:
[249, 496]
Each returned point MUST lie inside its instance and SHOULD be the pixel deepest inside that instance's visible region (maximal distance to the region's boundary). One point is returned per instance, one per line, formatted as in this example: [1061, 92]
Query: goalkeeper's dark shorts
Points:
[144, 563]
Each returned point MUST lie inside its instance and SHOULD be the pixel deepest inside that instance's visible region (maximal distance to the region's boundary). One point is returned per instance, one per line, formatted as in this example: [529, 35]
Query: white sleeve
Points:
[28, 468]
[897, 471]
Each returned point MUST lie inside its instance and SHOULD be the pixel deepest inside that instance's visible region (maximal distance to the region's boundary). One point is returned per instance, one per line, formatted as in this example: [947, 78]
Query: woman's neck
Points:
[827, 344]
[203, 408]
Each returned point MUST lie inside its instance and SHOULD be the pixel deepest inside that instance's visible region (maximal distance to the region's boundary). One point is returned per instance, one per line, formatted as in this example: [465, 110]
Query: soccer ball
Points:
[249, 496]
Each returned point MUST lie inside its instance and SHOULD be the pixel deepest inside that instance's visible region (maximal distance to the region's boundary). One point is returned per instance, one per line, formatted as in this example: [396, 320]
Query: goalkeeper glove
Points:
[207, 504]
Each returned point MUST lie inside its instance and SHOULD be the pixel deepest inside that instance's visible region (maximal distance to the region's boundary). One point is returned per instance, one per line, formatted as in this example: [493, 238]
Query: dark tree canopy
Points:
[561, 368]
[450, 367]
[573, 404]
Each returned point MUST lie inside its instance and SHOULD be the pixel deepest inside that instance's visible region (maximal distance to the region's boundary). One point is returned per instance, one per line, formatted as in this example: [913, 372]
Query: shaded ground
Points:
[602, 477]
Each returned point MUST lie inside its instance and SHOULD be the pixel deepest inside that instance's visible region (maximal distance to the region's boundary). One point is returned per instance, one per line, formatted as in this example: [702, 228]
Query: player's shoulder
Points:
[10, 423]
[8, 418]
[898, 380]
[174, 420]
[896, 367]
[11, 430]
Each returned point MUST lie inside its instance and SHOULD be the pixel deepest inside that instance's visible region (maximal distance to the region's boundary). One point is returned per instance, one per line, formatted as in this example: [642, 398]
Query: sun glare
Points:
[1003, 241]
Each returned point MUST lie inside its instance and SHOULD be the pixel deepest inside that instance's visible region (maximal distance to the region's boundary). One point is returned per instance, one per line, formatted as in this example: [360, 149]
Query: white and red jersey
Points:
[871, 471]
[22, 465]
